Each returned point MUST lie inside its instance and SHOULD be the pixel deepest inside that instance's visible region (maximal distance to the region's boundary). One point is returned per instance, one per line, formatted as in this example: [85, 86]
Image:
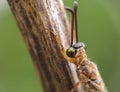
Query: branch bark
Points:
[38, 20]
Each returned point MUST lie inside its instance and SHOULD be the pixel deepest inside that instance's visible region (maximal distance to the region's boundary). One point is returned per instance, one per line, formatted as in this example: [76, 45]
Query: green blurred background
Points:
[99, 28]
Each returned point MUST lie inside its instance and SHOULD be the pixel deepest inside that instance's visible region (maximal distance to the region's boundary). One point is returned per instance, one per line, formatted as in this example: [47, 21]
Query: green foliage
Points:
[98, 28]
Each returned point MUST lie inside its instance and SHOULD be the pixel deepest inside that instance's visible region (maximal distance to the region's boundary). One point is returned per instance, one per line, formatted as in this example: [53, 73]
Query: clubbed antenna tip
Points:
[75, 4]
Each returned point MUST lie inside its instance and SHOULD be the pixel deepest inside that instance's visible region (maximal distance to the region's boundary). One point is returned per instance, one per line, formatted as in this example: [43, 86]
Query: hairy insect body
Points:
[90, 78]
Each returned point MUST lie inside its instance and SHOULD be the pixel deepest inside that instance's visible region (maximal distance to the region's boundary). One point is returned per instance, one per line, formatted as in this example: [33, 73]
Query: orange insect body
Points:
[88, 73]
[90, 79]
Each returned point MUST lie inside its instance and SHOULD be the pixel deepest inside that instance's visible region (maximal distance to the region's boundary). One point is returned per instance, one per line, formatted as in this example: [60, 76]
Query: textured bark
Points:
[38, 20]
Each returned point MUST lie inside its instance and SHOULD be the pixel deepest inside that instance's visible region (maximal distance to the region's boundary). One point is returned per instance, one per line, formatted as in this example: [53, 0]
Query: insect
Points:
[90, 79]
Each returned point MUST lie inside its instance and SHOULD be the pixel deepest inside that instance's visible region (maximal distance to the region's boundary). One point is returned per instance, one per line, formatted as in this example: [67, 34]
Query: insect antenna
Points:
[72, 23]
[76, 23]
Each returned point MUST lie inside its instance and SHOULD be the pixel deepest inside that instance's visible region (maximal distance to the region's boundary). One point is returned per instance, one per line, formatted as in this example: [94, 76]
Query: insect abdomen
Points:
[90, 77]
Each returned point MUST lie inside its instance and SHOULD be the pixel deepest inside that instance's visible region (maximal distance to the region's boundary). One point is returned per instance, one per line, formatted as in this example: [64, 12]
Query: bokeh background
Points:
[99, 28]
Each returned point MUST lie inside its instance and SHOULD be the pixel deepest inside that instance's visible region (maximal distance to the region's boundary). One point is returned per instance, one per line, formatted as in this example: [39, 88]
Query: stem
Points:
[37, 21]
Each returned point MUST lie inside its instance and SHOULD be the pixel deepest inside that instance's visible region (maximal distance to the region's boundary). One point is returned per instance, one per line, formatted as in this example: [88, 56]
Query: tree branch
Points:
[38, 20]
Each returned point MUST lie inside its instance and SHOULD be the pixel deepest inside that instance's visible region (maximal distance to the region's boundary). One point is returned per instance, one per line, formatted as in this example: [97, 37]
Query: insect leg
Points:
[61, 46]
[75, 86]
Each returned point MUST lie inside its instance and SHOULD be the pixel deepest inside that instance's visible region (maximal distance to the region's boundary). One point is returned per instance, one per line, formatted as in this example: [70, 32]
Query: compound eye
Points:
[71, 52]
